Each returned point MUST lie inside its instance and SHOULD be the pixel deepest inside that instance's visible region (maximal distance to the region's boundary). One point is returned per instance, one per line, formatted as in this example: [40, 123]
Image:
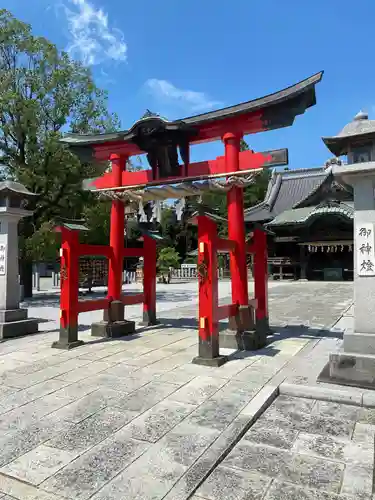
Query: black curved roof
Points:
[290, 101]
[287, 190]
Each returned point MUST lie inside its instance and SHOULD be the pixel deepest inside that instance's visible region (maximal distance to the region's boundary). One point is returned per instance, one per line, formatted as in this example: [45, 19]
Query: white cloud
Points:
[92, 40]
[191, 100]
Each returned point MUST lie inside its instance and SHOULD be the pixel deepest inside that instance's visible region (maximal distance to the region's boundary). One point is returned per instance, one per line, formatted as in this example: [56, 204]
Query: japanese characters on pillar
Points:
[365, 252]
[3, 251]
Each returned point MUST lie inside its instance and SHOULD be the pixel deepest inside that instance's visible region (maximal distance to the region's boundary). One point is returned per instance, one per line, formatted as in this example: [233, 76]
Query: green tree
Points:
[97, 217]
[43, 93]
[168, 257]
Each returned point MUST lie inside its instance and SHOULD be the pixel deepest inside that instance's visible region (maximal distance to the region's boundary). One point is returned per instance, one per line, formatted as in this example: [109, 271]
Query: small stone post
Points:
[13, 320]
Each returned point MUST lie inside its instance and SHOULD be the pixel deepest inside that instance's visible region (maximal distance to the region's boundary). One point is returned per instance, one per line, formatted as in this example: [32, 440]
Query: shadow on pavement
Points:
[53, 299]
[302, 331]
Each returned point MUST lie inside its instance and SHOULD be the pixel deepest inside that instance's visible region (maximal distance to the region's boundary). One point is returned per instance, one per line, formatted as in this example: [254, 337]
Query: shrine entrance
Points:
[164, 142]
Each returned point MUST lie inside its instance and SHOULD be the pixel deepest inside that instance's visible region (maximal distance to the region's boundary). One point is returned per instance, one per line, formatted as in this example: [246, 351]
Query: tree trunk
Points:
[26, 275]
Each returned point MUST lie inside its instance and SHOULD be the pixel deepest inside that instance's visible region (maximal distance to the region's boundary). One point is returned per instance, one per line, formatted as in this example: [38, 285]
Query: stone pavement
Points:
[133, 418]
[300, 449]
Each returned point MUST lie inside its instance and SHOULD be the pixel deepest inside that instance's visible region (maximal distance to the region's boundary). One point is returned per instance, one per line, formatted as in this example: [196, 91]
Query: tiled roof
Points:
[287, 190]
[16, 187]
[301, 215]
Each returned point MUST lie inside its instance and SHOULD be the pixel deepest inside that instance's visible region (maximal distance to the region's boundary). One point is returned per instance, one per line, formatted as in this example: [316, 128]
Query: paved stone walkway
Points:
[299, 449]
[133, 418]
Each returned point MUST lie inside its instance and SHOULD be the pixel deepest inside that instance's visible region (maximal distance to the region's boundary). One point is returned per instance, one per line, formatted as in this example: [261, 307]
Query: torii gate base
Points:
[113, 324]
[248, 322]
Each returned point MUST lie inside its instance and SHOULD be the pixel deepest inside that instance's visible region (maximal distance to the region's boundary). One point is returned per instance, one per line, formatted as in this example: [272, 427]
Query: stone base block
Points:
[149, 319]
[359, 342]
[262, 327]
[244, 320]
[7, 315]
[242, 341]
[216, 362]
[112, 330]
[115, 312]
[68, 338]
[349, 368]
[65, 345]
[12, 329]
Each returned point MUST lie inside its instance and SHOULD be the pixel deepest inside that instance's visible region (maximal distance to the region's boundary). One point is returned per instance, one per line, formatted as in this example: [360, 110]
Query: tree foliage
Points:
[168, 257]
[44, 93]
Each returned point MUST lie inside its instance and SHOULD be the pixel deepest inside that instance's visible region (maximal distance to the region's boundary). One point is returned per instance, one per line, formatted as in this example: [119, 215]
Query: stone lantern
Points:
[355, 363]
[13, 320]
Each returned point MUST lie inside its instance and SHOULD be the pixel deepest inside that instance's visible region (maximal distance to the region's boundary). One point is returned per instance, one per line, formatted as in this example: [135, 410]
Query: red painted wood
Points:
[69, 278]
[149, 278]
[223, 244]
[116, 240]
[249, 123]
[208, 287]
[133, 252]
[92, 305]
[260, 270]
[226, 311]
[250, 248]
[236, 224]
[103, 151]
[102, 250]
[248, 160]
[130, 300]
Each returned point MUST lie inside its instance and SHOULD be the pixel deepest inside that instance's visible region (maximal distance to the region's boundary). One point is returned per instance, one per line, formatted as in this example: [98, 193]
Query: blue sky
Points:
[181, 57]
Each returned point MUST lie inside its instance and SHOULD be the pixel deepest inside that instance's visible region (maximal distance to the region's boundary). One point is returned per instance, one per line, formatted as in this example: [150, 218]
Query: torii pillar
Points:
[244, 333]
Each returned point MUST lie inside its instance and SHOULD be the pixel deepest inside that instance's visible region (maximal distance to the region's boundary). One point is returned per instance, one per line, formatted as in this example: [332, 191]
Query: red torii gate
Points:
[161, 140]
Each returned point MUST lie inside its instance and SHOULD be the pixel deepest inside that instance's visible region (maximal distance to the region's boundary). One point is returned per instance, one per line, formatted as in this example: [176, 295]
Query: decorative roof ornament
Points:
[149, 114]
[333, 161]
[362, 115]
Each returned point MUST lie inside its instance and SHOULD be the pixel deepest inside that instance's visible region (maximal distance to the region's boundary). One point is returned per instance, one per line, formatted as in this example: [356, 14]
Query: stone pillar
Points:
[13, 320]
[355, 364]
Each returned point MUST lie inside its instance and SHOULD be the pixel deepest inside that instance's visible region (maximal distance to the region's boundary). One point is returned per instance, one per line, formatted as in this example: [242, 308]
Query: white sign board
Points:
[365, 252]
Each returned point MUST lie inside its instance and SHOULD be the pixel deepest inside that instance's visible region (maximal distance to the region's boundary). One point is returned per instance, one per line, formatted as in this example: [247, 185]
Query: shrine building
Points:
[309, 212]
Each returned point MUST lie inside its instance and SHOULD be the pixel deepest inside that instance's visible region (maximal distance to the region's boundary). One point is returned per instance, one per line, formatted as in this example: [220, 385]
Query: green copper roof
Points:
[75, 227]
[155, 235]
[302, 215]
